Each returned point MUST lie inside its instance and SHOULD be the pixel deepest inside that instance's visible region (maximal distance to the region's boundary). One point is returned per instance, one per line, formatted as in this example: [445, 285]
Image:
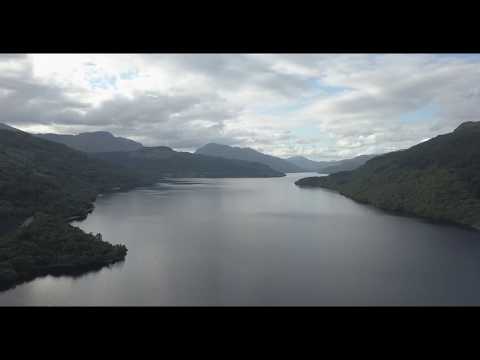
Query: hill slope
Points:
[307, 164]
[37, 174]
[330, 167]
[345, 165]
[49, 183]
[158, 162]
[438, 179]
[247, 154]
[100, 141]
[9, 128]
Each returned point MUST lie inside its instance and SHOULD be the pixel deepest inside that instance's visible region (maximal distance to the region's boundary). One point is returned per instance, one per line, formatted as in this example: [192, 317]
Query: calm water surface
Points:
[264, 242]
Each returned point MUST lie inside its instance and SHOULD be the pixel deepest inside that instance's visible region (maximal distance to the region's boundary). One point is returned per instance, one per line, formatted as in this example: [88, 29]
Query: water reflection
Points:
[264, 242]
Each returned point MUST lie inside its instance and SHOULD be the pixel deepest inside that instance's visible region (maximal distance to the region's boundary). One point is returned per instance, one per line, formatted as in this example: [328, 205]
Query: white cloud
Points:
[320, 105]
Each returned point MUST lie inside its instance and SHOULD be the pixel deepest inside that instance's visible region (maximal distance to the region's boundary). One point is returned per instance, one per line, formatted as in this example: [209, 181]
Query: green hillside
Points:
[39, 175]
[438, 179]
[162, 161]
[43, 185]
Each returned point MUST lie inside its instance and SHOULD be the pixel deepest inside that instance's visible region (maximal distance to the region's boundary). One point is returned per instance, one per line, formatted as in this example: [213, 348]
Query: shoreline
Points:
[405, 214]
[62, 270]
[13, 278]
[49, 245]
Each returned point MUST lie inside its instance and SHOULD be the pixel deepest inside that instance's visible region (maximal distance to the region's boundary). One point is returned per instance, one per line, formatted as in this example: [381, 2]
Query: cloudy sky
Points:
[323, 106]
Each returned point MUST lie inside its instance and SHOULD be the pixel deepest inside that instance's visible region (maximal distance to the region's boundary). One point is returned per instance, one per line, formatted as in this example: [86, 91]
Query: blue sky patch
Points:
[103, 82]
[425, 113]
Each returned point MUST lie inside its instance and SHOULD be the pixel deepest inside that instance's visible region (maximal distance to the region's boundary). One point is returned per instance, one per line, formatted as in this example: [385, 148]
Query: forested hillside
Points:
[438, 179]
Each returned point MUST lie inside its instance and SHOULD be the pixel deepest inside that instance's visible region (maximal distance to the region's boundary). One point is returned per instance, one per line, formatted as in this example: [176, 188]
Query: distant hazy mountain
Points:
[437, 179]
[330, 167]
[308, 164]
[247, 154]
[345, 165]
[162, 161]
[100, 141]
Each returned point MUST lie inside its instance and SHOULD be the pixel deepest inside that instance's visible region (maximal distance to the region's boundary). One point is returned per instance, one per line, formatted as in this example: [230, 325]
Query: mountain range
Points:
[161, 161]
[248, 154]
[329, 167]
[345, 165]
[105, 142]
[45, 184]
[307, 164]
[40, 175]
[438, 179]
